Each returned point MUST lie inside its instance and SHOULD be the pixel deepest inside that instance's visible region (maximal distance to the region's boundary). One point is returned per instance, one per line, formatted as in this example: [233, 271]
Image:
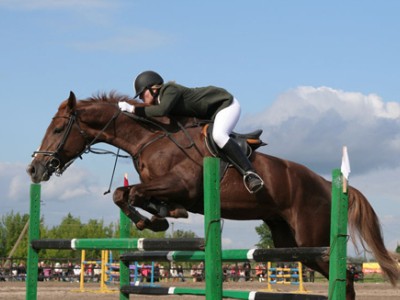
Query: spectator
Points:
[47, 272]
[247, 271]
[57, 271]
[97, 272]
[225, 273]
[77, 272]
[156, 276]
[40, 271]
[21, 272]
[164, 273]
[173, 272]
[260, 272]
[70, 271]
[180, 273]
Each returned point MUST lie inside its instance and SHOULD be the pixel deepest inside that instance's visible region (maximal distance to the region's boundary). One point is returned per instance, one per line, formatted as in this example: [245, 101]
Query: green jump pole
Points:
[338, 252]
[124, 231]
[33, 234]
[212, 229]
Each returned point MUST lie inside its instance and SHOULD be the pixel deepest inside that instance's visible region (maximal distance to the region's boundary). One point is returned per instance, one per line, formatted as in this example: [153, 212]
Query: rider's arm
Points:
[168, 98]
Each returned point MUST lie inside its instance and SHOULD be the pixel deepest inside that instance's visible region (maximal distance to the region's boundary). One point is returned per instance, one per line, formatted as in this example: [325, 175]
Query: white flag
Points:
[345, 168]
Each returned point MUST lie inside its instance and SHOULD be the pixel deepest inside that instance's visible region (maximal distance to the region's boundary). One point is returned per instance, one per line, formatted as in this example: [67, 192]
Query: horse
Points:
[168, 153]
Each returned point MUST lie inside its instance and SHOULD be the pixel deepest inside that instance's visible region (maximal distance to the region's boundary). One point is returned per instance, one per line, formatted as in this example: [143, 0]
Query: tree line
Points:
[12, 224]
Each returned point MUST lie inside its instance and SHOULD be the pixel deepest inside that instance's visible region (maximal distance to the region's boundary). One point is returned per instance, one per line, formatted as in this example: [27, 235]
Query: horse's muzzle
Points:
[38, 171]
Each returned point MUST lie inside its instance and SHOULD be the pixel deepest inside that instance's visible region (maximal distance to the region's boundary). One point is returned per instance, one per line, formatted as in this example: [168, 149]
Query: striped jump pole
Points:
[139, 244]
[233, 294]
[307, 254]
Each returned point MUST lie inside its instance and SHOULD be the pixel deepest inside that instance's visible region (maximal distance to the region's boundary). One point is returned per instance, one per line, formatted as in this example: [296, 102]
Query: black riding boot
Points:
[235, 155]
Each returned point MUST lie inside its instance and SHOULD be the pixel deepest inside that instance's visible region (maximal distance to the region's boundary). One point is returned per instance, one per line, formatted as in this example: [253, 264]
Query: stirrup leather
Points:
[245, 183]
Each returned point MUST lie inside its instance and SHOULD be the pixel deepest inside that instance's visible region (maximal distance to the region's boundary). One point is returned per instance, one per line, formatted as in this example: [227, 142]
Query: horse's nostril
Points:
[31, 170]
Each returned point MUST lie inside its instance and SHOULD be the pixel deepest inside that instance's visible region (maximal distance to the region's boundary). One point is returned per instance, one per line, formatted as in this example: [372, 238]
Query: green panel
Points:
[124, 232]
[338, 252]
[106, 244]
[212, 229]
[33, 234]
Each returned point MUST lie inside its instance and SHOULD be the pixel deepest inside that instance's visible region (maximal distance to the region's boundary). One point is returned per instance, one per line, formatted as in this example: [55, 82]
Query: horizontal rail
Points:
[305, 254]
[148, 290]
[141, 244]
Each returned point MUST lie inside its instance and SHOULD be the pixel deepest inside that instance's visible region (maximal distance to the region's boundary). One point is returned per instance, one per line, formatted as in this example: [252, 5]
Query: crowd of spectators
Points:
[71, 272]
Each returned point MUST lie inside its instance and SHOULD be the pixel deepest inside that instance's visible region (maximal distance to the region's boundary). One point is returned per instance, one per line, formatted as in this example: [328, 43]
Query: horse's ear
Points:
[71, 101]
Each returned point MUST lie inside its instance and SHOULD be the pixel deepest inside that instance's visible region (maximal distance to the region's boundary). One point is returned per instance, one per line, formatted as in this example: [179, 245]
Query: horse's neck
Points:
[129, 133]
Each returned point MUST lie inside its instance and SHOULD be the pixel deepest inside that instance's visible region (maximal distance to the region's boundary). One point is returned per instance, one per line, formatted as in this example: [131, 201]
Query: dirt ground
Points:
[70, 291]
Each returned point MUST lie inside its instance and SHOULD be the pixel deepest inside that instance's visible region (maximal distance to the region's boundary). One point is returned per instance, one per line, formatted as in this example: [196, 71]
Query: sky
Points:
[315, 76]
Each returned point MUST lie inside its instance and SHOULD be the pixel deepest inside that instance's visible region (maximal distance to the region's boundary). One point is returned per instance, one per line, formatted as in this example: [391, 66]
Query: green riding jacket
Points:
[175, 99]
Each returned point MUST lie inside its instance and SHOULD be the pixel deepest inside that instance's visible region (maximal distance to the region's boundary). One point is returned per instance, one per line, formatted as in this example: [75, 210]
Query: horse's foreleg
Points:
[158, 197]
[121, 198]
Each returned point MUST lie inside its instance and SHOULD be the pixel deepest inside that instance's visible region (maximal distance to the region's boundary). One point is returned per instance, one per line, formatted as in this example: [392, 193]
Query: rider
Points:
[210, 102]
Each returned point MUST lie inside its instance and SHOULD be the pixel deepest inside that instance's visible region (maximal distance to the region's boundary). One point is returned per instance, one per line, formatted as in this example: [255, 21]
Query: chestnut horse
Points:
[168, 154]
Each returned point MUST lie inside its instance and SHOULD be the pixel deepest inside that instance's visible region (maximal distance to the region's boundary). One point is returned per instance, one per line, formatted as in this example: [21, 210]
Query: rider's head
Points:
[147, 81]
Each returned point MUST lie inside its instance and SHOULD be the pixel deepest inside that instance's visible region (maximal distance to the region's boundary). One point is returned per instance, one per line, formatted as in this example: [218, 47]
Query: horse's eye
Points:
[58, 129]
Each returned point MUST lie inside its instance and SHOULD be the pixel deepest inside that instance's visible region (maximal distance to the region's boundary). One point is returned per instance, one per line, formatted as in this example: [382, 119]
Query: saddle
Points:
[248, 143]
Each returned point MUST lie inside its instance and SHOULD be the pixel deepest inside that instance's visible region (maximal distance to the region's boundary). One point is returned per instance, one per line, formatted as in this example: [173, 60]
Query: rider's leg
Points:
[224, 123]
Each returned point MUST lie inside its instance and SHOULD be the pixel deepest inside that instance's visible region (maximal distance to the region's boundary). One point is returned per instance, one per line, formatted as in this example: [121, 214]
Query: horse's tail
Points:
[364, 221]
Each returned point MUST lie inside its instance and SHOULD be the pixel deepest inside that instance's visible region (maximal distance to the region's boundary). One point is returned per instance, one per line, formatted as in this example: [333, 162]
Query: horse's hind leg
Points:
[121, 198]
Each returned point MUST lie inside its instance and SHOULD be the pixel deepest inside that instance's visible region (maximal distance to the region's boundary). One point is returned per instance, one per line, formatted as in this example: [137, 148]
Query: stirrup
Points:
[245, 176]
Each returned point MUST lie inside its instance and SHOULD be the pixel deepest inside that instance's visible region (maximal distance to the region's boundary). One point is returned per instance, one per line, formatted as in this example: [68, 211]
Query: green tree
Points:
[11, 226]
[69, 228]
[265, 236]
[398, 249]
[182, 234]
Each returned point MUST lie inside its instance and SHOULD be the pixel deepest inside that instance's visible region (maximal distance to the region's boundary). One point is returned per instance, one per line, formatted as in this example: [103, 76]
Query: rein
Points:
[165, 133]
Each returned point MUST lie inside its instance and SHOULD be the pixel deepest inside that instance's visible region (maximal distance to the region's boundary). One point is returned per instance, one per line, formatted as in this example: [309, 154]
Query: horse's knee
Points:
[119, 195]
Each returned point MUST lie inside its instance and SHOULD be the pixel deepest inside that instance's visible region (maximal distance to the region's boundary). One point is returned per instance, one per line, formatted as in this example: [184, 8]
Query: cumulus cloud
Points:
[311, 124]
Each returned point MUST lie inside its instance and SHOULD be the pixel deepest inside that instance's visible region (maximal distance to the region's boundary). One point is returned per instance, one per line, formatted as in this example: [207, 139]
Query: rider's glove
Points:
[125, 106]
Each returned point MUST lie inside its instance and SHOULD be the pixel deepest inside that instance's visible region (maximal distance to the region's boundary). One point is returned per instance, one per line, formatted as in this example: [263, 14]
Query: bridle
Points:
[54, 164]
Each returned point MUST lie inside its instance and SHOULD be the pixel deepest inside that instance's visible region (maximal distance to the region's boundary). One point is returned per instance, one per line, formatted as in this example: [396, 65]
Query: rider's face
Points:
[147, 97]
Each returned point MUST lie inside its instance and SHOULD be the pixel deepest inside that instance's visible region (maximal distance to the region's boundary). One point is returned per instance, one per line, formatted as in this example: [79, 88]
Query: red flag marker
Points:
[126, 182]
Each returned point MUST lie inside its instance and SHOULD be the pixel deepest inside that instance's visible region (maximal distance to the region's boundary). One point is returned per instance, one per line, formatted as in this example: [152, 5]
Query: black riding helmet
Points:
[146, 80]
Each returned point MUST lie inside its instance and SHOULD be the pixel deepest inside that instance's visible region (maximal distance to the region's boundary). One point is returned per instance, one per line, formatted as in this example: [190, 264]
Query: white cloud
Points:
[310, 125]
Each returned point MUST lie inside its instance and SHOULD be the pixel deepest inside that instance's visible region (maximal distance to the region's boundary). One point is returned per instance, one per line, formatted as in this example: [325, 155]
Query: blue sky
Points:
[314, 75]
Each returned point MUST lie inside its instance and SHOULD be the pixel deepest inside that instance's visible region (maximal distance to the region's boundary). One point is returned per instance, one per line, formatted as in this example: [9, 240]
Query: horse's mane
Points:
[112, 97]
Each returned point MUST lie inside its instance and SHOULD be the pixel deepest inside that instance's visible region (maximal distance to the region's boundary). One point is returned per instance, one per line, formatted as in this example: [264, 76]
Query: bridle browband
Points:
[54, 164]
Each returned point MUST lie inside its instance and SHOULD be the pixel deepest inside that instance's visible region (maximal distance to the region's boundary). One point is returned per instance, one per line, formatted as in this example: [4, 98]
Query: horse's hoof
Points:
[158, 224]
[179, 212]
[141, 225]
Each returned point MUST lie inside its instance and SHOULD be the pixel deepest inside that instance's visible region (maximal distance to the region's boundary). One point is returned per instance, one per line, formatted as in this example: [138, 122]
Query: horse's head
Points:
[63, 142]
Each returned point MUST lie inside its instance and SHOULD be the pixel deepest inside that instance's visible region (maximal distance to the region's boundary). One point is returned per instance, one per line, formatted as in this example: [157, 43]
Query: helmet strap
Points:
[153, 93]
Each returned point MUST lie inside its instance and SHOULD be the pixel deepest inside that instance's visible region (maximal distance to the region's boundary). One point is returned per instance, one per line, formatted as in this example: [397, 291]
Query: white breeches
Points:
[224, 123]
